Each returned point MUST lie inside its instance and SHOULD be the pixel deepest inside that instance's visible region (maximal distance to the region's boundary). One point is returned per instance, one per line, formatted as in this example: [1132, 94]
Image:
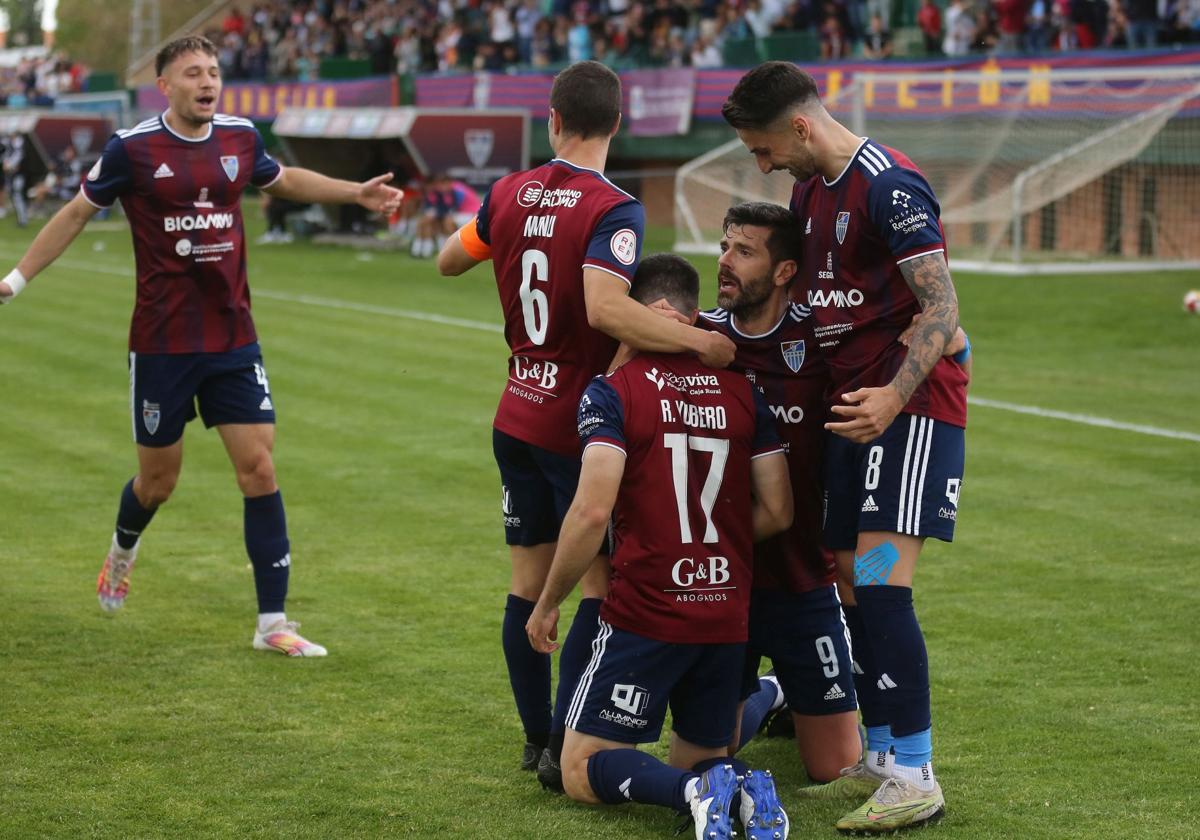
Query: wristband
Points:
[962, 355]
[16, 281]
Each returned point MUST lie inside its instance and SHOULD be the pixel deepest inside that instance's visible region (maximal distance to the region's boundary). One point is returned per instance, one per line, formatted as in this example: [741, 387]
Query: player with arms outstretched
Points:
[873, 257]
[686, 462]
[564, 243]
[180, 177]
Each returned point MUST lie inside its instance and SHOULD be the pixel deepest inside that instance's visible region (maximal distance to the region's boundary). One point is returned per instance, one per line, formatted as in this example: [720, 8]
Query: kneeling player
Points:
[673, 452]
[795, 615]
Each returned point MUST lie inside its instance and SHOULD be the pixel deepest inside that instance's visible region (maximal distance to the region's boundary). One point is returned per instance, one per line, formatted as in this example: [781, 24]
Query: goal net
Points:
[1035, 169]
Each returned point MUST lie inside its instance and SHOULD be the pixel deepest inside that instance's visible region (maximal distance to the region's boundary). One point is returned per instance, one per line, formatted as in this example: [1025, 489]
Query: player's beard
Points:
[803, 166]
[751, 298]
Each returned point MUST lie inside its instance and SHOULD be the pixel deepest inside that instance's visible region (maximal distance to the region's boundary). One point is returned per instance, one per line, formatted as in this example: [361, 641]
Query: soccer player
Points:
[564, 243]
[873, 256]
[686, 462]
[180, 177]
[795, 615]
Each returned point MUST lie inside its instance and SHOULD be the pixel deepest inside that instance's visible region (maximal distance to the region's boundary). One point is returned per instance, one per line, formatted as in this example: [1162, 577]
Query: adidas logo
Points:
[869, 505]
[265, 405]
[283, 562]
[808, 226]
[835, 693]
[624, 788]
[885, 682]
[163, 171]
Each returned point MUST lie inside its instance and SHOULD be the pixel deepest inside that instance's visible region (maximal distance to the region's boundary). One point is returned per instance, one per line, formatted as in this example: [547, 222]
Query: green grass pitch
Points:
[1061, 624]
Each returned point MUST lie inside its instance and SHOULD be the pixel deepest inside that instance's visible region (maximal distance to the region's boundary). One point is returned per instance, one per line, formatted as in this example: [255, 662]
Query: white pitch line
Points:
[1085, 419]
[483, 326]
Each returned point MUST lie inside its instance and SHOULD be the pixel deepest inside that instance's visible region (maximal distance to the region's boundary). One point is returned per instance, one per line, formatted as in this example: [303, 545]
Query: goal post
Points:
[1036, 170]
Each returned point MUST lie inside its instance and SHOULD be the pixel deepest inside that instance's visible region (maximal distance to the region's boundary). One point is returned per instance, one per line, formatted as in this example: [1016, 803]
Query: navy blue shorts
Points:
[625, 690]
[537, 486]
[805, 637]
[906, 481]
[165, 389]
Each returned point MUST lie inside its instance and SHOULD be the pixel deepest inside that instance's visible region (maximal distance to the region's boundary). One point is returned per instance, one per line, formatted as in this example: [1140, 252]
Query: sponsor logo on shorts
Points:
[266, 405]
[885, 682]
[628, 721]
[869, 505]
[953, 486]
[630, 698]
[948, 513]
[506, 507]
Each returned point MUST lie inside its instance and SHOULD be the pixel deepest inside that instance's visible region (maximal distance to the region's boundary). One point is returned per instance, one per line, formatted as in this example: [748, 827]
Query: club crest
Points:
[150, 416]
[81, 139]
[839, 228]
[793, 354]
[479, 143]
[230, 164]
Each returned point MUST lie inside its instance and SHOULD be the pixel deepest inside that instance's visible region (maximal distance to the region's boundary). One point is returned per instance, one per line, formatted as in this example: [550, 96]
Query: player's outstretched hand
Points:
[542, 629]
[868, 413]
[718, 350]
[378, 197]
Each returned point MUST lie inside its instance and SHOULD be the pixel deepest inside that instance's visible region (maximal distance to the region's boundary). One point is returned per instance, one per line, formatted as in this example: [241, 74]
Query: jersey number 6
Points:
[535, 265]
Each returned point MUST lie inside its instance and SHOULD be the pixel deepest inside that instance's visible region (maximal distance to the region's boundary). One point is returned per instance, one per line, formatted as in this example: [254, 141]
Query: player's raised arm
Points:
[306, 186]
[612, 311]
[48, 245]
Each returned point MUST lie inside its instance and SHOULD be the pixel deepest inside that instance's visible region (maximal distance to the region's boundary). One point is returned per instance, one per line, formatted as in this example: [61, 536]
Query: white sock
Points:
[780, 700]
[691, 788]
[880, 762]
[267, 620]
[921, 777]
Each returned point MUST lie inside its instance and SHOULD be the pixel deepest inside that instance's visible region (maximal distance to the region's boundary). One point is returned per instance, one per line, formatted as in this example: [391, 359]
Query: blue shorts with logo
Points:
[805, 637]
[630, 681]
[537, 487]
[166, 388]
[906, 481]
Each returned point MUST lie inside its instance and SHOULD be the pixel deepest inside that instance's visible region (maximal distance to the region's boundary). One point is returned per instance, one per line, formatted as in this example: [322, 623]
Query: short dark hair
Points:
[587, 95]
[766, 93]
[180, 46]
[667, 276]
[783, 242]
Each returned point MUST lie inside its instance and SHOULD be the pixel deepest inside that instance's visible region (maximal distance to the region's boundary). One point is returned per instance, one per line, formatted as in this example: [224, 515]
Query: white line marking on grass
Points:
[483, 326]
[1085, 419]
[313, 300]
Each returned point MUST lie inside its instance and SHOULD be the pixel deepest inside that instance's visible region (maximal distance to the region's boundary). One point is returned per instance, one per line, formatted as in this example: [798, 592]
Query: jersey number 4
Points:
[679, 444]
[535, 306]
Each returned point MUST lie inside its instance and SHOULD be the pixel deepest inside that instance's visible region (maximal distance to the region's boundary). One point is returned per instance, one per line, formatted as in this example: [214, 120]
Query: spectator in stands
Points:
[833, 34]
[1038, 28]
[984, 37]
[878, 42]
[1010, 25]
[1143, 23]
[929, 18]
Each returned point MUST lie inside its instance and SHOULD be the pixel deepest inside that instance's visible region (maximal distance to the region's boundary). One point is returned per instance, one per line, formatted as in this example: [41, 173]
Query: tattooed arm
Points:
[869, 411]
[929, 279]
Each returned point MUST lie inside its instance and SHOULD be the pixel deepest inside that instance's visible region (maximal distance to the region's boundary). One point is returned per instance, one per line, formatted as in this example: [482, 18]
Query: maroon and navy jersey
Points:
[784, 365]
[682, 524]
[858, 230]
[182, 197]
[545, 226]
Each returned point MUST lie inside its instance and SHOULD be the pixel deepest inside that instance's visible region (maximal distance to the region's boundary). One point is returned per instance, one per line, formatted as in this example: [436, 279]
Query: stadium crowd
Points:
[288, 39]
[37, 81]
